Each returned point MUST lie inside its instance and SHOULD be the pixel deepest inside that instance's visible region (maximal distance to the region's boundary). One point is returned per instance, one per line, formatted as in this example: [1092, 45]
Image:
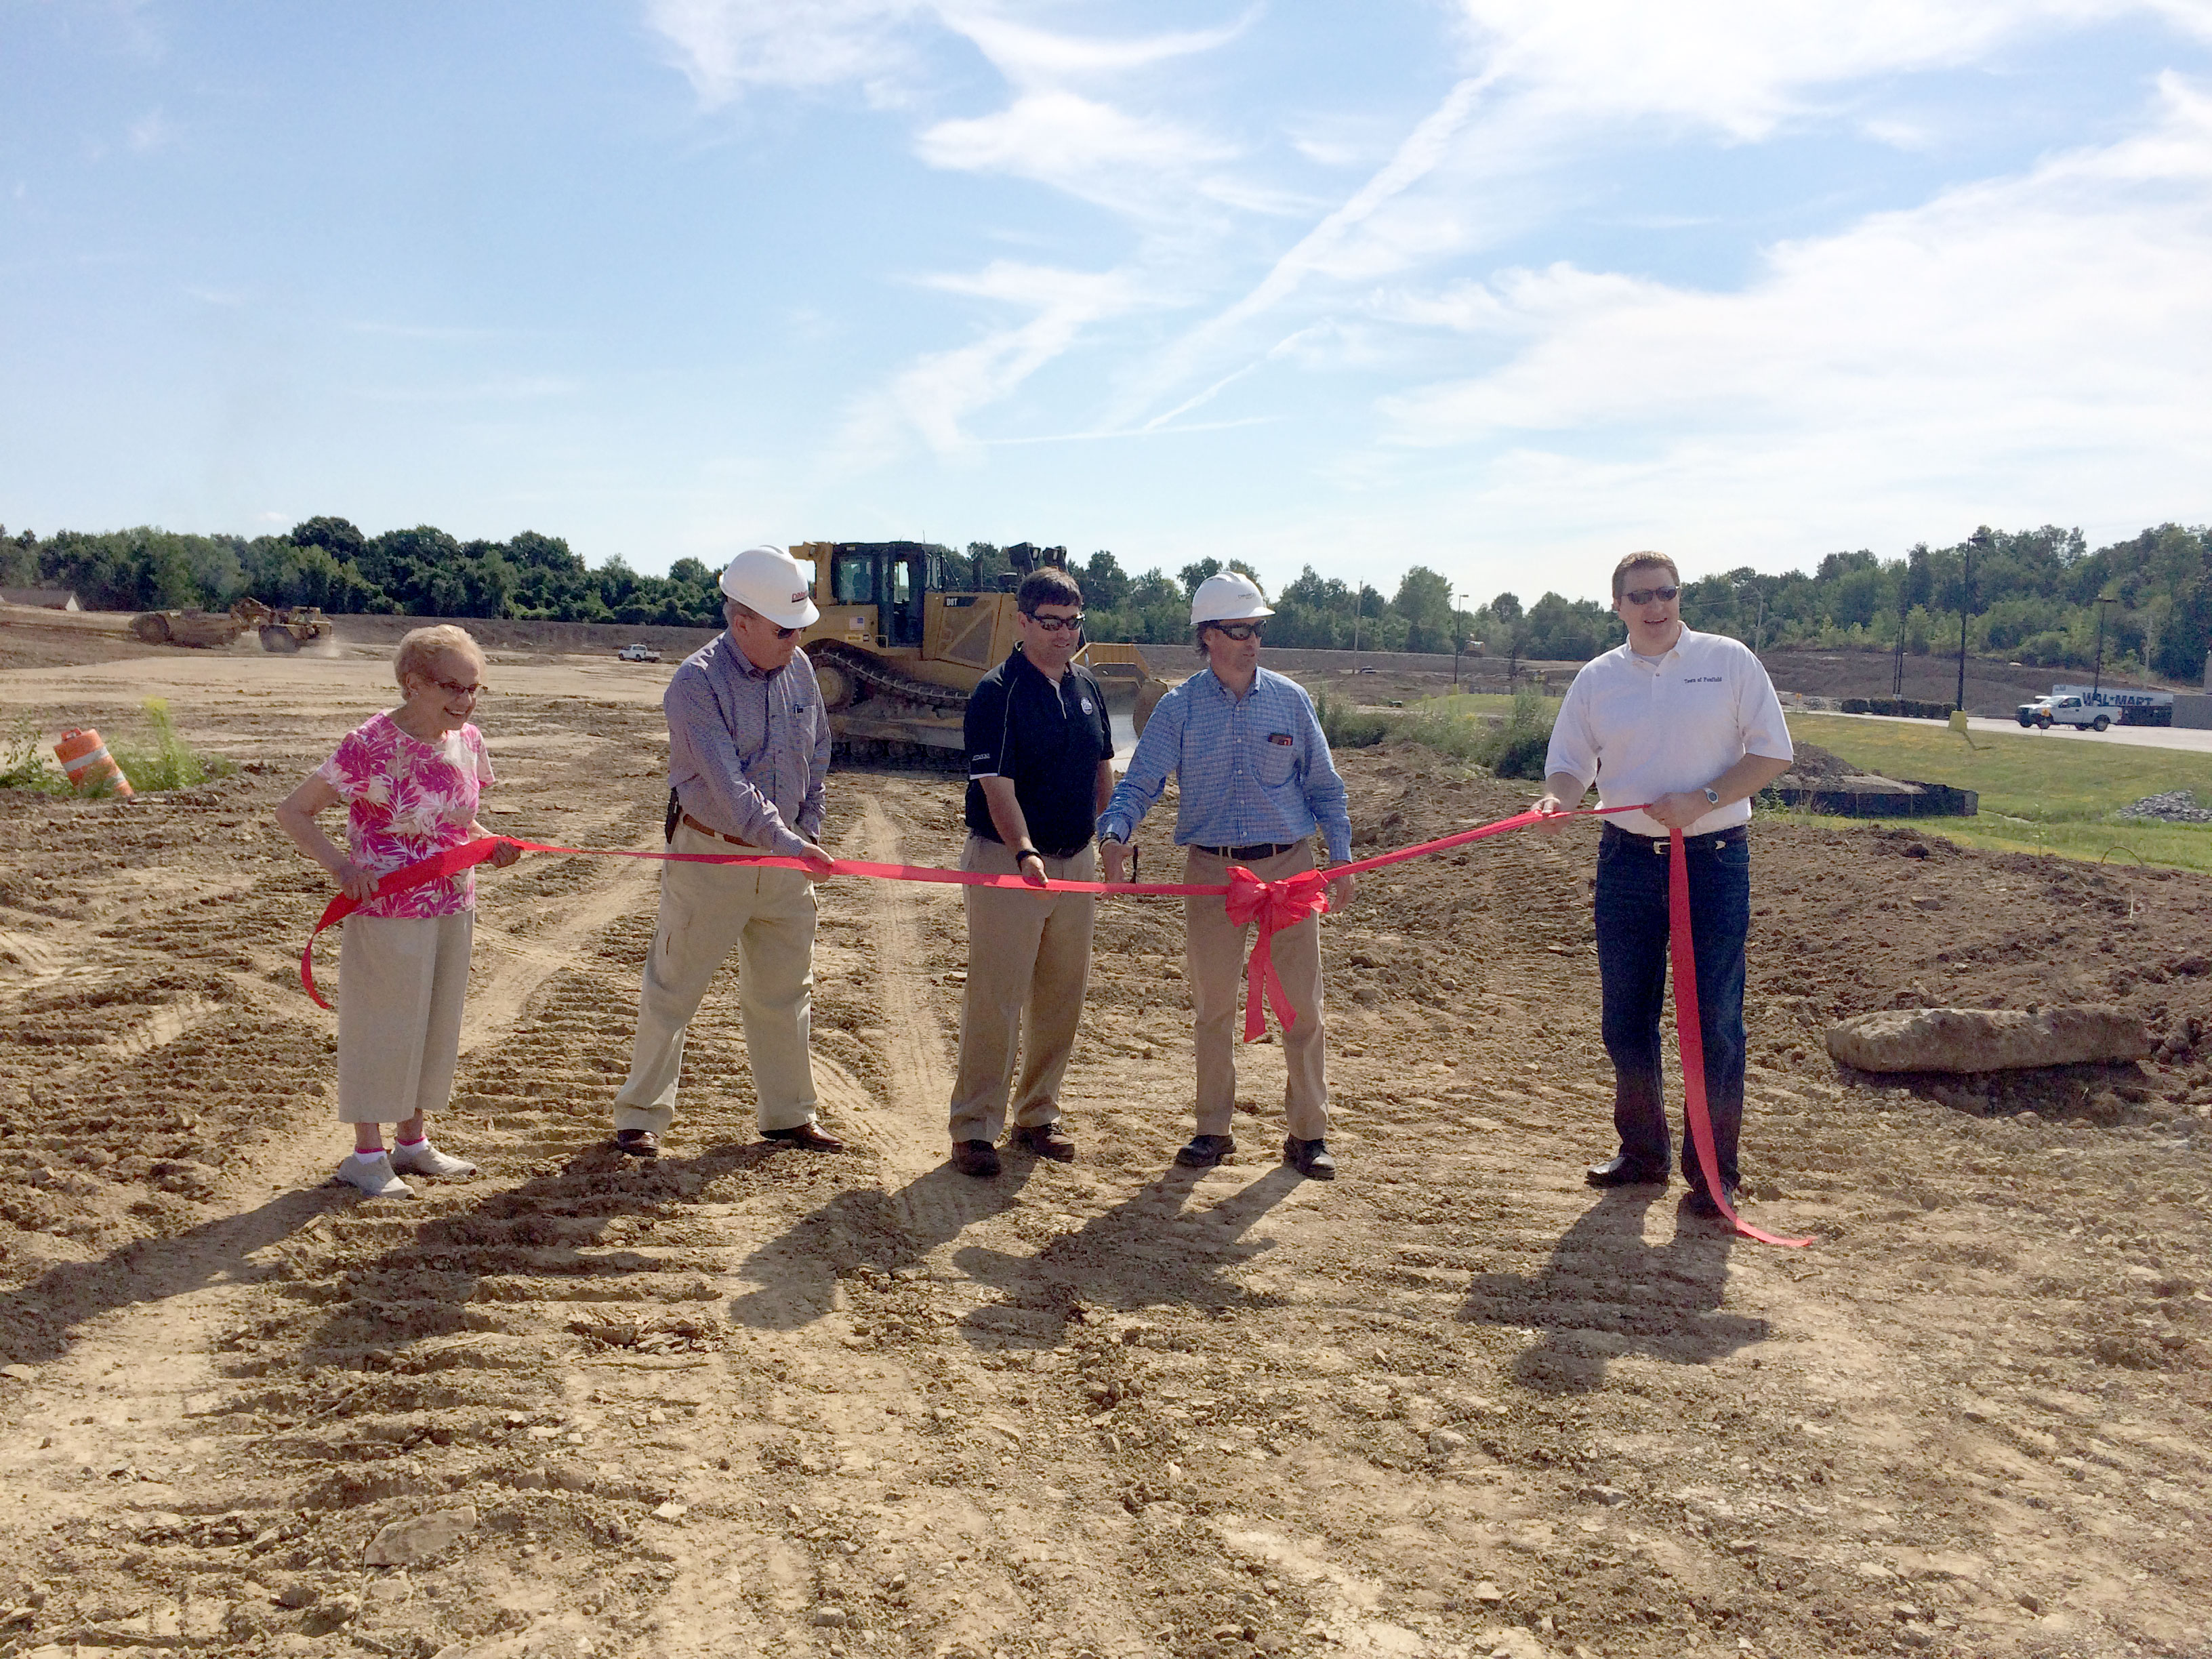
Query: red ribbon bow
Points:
[1274, 905]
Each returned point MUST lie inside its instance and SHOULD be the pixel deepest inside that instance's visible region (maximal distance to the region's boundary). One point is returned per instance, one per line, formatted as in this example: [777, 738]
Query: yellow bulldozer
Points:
[904, 636]
[285, 628]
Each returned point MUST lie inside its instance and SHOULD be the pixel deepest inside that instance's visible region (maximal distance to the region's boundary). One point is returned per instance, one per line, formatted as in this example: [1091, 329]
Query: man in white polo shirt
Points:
[1688, 723]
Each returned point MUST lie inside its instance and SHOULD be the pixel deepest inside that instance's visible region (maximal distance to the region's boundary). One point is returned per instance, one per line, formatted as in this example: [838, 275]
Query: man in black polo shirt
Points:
[1039, 749]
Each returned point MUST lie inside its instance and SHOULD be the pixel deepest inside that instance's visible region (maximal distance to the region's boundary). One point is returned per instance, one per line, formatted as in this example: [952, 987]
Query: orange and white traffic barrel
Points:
[92, 770]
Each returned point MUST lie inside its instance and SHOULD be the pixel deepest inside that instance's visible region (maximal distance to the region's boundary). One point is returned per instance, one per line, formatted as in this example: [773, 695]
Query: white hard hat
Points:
[1228, 597]
[769, 580]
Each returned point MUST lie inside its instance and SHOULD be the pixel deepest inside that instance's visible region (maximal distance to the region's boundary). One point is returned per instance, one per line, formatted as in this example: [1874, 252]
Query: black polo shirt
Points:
[1048, 740]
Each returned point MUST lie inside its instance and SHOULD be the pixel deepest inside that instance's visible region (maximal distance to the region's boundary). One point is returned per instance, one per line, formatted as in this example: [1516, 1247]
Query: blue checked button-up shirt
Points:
[748, 752]
[1252, 769]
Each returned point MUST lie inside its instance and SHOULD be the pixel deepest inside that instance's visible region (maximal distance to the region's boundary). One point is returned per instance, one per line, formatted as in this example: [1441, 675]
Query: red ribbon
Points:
[1690, 1034]
[1274, 905]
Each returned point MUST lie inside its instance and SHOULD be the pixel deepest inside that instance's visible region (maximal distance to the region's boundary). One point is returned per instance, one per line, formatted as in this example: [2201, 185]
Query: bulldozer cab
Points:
[905, 633]
[894, 577]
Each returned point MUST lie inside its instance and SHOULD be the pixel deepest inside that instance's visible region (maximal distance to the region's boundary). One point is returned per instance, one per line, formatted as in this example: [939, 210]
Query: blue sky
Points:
[1507, 287]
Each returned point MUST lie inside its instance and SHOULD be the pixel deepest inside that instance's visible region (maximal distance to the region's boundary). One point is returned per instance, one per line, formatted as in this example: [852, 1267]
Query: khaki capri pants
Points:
[402, 983]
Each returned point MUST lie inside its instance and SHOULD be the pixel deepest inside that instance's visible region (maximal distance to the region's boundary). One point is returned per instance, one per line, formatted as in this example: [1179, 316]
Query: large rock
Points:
[404, 1543]
[1985, 1039]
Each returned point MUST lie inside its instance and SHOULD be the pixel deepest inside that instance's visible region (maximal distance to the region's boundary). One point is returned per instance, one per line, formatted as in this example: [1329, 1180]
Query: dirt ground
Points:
[752, 1402]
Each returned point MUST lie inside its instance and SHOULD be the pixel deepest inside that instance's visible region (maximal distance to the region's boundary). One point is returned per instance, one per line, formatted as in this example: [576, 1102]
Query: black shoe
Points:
[1700, 1202]
[637, 1143]
[979, 1158]
[812, 1136]
[1205, 1151]
[1046, 1141]
[1624, 1171]
[1310, 1159]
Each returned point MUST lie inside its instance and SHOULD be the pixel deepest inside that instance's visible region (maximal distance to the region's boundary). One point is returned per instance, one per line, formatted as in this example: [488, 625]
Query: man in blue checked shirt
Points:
[1256, 783]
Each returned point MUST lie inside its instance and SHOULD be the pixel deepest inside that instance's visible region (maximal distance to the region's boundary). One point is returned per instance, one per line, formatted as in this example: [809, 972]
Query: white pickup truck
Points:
[2047, 712]
[638, 654]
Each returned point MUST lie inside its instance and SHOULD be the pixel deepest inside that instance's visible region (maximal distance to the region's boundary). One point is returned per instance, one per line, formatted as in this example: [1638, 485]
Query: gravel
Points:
[2175, 806]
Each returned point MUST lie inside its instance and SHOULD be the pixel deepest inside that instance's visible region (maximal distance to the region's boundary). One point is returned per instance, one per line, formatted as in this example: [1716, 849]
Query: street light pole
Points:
[1965, 602]
[2097, 679]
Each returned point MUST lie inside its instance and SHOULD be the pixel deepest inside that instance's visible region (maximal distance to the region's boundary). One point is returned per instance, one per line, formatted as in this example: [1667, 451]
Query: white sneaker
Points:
[425, 1160]
[372, 1174]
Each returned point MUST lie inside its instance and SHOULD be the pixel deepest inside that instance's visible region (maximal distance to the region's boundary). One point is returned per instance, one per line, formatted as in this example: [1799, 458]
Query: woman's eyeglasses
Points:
[455, 687]
[1057, 624]
[1645, 595]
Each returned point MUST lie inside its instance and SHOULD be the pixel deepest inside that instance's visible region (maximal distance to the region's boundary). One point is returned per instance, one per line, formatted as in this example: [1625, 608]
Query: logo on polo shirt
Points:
[1086, 706]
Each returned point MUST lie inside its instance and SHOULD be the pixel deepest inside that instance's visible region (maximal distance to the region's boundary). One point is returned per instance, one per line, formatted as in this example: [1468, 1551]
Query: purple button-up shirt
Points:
[748, 752]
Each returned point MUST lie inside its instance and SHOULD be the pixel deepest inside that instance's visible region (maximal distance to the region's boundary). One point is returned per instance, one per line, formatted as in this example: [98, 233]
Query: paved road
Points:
[2139, 737]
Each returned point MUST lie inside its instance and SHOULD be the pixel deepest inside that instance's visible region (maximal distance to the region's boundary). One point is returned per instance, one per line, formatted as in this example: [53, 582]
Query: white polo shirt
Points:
[1641, 729]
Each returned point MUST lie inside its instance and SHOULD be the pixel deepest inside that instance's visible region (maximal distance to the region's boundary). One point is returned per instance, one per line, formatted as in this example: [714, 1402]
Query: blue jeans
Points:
[1632, 959]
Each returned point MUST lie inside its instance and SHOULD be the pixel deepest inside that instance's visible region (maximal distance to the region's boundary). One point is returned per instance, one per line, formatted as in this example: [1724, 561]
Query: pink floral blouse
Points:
[406, 800]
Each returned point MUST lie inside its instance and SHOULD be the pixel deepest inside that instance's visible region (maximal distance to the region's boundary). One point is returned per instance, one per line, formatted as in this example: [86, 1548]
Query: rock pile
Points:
[2175, 806]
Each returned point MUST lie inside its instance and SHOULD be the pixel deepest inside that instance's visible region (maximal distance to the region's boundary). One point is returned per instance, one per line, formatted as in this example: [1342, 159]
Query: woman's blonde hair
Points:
[421, 646]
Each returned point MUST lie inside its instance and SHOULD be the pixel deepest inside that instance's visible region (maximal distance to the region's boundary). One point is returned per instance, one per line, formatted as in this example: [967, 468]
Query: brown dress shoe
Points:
[812, 1136]
[979, 1158]
[637, 1143]
[1046, 1141]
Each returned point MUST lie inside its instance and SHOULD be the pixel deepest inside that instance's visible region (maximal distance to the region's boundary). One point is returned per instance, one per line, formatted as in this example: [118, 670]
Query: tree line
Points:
[2039, 596]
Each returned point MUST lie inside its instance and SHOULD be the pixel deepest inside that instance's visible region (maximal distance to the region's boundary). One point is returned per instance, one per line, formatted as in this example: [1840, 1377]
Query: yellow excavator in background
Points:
[902, 641]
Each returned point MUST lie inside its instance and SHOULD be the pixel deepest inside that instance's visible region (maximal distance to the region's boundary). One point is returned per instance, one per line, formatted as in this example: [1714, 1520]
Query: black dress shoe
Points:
[1624, 1171]
[637, 1143]
[1046, 1141]
[1204, 1152]
[812, 1136]
[1310, 1159]
[979, 1158]
[1700, 1202]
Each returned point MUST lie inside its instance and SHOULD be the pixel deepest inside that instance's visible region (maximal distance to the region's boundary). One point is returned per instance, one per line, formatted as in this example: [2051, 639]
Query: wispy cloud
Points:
[1972, 344]
[934, 395]
[151, 132]
[729, 47]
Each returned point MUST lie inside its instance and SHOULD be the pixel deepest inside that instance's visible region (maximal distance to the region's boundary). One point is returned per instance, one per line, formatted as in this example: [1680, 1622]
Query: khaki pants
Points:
[402, 981]
[1213, 950]
[706, 911]
[1027, 952]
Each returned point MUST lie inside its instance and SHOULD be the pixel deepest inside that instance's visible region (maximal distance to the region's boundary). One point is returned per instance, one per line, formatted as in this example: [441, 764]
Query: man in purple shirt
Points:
[748, 749]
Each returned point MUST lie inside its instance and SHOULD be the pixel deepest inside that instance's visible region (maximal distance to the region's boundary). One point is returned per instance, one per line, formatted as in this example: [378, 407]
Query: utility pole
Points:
[1966, 603]
[1459, 637]
[2097, 679]
[1904, 610]
[1358, 609]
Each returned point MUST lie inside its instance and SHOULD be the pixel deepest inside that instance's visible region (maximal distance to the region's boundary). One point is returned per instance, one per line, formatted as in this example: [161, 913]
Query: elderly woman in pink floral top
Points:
[410, 780]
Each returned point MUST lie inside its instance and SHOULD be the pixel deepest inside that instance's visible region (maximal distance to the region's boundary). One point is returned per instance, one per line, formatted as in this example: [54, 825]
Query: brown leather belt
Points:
[691, 823]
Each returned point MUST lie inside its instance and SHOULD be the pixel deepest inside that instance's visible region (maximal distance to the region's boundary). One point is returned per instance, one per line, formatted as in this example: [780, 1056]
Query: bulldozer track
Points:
[875, 676]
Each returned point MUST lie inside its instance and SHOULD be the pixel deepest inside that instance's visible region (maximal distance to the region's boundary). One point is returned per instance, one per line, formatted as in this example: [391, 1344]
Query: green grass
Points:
[163, 760]
[2038, 794]
[160, 761]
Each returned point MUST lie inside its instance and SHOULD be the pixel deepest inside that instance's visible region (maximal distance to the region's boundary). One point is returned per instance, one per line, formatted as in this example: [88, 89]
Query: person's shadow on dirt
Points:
[38, 1319]
[1605, 1292]
[1153, 1247]
[412, 1288]
[795, 1275]
[1139, 1252]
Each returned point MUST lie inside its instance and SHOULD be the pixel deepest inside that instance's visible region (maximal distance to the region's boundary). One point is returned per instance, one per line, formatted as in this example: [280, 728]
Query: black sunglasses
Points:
[1645, 595]
[1240, 631]
[1056, 625]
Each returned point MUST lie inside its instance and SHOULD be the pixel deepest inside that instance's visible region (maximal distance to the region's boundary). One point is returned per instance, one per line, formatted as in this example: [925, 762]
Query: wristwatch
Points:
[1712, 796]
